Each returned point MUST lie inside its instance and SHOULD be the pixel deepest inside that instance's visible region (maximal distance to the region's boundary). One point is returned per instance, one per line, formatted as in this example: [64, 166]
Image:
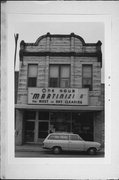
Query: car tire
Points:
[57, 150]
[92, 151]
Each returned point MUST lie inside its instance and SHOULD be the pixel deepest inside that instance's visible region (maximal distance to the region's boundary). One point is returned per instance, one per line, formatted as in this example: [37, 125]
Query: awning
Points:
[56, 107]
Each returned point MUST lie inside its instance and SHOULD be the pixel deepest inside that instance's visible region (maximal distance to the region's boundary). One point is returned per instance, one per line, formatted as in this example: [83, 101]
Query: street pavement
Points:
[36, 150]
[62, 155]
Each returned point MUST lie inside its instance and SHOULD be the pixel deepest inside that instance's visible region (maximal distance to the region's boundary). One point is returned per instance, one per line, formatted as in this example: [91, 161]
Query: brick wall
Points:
[99, 127]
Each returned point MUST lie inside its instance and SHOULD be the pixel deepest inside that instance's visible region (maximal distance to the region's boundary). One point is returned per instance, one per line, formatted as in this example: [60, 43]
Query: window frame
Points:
[59, 75]
[59, 137]
[51, 137]
[75, 135]
[91, 65]
[31, 77]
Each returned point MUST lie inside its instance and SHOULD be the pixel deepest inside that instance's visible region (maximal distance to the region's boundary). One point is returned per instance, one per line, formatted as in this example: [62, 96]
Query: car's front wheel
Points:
[57, 150]
[92, 151]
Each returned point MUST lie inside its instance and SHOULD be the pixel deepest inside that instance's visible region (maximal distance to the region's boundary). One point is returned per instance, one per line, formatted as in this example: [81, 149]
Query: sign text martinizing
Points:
[64, 96]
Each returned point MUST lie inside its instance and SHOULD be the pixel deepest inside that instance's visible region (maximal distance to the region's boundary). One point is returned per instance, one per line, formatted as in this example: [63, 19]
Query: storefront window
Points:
[43, 115]
[60, 121]
[29, 115]
[82, 124]
[42, 123]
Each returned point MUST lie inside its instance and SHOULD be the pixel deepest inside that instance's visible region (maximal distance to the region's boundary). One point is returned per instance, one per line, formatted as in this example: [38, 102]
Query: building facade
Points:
[59, 89]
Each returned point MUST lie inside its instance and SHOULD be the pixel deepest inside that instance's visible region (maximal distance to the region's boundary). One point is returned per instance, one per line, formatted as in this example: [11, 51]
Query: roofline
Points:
[99, 43]
[60, 132]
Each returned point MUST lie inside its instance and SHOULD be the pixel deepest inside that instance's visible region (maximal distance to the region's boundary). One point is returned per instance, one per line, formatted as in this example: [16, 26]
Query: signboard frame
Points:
[58, 96]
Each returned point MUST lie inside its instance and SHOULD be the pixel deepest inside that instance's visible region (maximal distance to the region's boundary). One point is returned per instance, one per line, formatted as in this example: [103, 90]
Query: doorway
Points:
[29, 131]
[29, 126]
[43, 129]
[43, 125]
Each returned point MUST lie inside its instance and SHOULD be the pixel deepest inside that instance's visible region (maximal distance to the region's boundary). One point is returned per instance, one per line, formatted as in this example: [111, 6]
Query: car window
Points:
[54, 137]
[58, 137]
[64, 137]
[74, 137]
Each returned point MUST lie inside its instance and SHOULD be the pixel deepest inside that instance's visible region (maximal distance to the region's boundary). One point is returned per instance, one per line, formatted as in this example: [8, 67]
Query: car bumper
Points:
[99, 149]
[45, 147]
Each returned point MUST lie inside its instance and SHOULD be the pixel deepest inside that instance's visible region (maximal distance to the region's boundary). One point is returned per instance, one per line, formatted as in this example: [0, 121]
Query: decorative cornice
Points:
[62, 36]
[98, 53]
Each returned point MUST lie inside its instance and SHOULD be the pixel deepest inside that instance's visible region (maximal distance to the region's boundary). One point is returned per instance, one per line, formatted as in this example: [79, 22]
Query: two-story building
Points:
[59, 89]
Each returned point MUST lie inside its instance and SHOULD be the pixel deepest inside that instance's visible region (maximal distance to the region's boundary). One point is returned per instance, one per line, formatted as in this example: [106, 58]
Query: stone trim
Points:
[57, 107]
[48, 53]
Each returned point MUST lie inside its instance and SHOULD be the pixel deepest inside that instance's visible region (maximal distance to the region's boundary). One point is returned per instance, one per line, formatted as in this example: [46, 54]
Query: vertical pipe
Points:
[16, 39]
[71, 121]
[36, 128]
[49, 123]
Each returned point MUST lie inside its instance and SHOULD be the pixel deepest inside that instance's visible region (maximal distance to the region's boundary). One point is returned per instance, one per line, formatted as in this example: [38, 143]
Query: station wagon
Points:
[58, 142]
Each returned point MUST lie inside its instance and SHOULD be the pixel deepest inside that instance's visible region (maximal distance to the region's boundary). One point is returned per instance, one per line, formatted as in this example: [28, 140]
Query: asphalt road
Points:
[46, 153]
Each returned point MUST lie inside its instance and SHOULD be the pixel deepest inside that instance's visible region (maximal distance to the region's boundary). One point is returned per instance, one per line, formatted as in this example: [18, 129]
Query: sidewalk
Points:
[29, 147]
[35, 148]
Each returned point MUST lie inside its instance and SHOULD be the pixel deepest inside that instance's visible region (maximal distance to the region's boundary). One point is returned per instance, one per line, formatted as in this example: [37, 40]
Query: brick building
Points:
[59, 89]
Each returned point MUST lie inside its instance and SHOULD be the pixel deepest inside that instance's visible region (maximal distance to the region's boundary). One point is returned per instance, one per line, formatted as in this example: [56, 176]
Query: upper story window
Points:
[32, 75]
[59, 76]
[87, 76]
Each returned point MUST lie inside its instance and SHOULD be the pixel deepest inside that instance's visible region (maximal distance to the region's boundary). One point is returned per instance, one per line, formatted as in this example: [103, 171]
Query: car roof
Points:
[61, 133]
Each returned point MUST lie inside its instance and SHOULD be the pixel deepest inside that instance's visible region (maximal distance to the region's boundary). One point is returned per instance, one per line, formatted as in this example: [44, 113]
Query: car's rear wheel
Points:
[92, 151]
[57, 150]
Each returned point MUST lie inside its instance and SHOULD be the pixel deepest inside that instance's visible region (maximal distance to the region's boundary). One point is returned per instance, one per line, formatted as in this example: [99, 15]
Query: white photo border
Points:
[44, 167]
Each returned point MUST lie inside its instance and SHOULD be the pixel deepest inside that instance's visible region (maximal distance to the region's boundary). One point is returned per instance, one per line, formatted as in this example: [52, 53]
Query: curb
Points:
[27, 150]
[23, 149]
[38, 149]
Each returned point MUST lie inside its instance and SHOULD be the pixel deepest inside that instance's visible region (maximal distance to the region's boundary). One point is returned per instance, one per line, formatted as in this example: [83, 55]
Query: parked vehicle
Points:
[58, 142]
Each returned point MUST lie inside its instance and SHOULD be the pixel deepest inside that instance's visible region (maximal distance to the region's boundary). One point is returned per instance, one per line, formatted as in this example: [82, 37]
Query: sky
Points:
[91, 32]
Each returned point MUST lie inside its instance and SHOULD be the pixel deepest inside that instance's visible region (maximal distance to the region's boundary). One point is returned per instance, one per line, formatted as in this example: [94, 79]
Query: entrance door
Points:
[43, 125]
[29, 131]
[43, 129]
[29, 125]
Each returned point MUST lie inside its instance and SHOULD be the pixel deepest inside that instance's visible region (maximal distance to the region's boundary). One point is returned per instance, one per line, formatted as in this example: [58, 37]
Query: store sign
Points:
[59, 96]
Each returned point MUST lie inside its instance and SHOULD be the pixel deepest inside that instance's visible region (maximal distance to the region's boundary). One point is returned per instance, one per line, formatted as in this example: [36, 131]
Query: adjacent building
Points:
[59, 89]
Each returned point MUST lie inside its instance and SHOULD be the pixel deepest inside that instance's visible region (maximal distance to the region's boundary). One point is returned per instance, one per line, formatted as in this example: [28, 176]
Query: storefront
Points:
[38, 124]
[59, 89]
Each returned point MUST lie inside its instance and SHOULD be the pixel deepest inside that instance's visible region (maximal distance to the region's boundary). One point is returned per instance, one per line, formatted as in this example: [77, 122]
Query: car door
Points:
[64, 142]
[75, 143]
